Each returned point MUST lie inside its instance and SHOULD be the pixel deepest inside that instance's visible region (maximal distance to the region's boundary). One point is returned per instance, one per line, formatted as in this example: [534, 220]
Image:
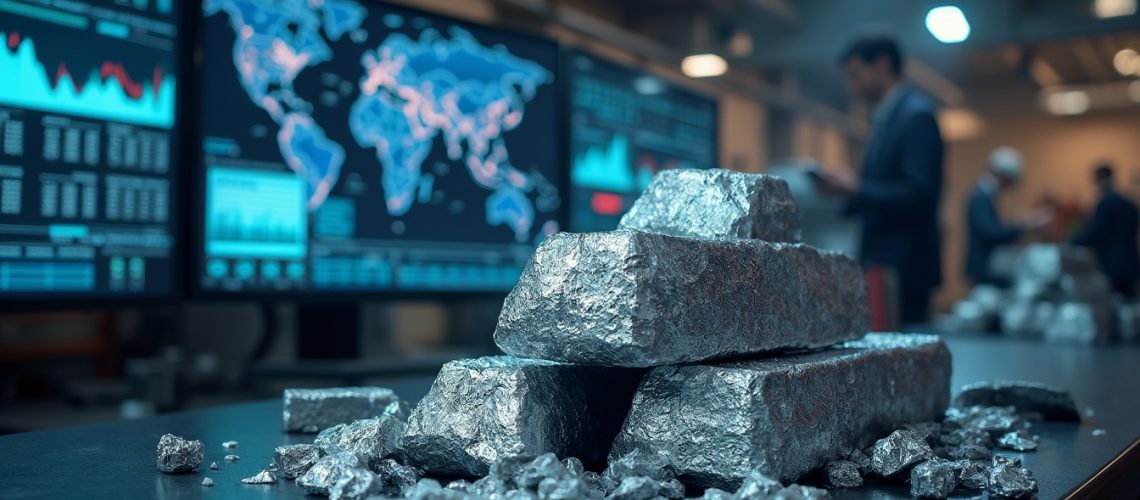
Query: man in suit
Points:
[1112, 233]
[985, 228]
[898, 191]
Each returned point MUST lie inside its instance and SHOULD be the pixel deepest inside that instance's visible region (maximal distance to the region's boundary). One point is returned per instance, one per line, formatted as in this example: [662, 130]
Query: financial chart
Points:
[625, 127]
[360, 146]
[88, 94]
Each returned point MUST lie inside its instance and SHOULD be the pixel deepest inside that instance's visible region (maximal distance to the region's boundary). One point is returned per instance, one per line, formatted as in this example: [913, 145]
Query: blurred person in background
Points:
[1111, 233]
[898, 191]
[985, 229]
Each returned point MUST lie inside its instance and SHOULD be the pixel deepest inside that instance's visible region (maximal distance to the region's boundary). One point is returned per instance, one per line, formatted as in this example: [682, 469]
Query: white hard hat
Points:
[1006, 162]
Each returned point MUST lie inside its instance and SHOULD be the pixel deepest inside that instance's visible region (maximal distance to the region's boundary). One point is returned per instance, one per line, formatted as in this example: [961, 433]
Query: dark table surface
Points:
[116, 460]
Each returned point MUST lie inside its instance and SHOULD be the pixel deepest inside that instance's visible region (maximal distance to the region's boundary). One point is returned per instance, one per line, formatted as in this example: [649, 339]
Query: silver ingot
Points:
[479, 410]
[312, 410]
[636, 299]
[716, 204]
[785, 416]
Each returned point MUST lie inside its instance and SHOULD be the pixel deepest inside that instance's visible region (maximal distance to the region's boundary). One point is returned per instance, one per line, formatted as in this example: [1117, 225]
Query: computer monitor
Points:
[355, 146]
[89, 149]
[625, 126]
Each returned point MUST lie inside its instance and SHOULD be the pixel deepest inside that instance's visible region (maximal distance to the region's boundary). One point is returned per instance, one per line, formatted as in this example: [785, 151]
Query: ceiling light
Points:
[948, 24]
[1125, 61]
[1114, 8]
[1066, 102]
[704, 65]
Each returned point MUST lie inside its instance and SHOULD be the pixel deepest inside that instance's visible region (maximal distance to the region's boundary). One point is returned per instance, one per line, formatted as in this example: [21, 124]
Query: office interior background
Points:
[235, 226]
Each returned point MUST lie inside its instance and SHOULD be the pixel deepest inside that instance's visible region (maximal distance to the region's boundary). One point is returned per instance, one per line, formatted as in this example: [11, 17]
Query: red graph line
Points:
[107, 70]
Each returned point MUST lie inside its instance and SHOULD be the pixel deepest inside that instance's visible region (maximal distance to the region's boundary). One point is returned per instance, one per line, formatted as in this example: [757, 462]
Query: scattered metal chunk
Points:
[1081, 323]
[716, 203]
[1048, 263]
[356, 484]
[609, 299]
[481, 409]
[717, 494]
[968, 437]
[635, 488]
[1099, 432]
[638, 463]
[176, 455]
[800, 492]
[1004, 460]
[973, 474]
[1017, 441]
[232, 458]
[757, 486]
[230, 444]
[894, 455]
[372, 439]
[545, 466]
[311, 410]
[294, 460]
[842, 474]
[213, 466]
[672, 489]
[263, 477]
[1010, 480]
[323, 475]
[714, 424]
[995, 420]
[1026, 397]
[395, 479]
[207, 482]
[934, 478]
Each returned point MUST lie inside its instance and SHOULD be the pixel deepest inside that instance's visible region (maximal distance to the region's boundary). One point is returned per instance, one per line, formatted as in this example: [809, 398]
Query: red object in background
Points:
[882, 298]
[606, 203]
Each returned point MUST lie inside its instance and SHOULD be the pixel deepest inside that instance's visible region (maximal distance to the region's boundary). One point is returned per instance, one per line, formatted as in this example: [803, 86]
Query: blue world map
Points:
[411, 94]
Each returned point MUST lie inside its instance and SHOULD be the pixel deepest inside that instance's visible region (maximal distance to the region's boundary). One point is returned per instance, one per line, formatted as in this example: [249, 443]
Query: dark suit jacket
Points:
[1112, 233]
[899, 193]
[986, 232]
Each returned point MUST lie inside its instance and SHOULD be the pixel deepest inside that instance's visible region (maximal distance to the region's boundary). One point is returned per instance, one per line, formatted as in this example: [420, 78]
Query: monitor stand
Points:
[328, 331]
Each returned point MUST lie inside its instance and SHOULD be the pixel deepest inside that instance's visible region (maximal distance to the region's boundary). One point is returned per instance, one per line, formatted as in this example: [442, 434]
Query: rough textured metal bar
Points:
[482, 409]
[637, 299]
[312, 410]
[785, 416]
[716, 204]
[1050, 402]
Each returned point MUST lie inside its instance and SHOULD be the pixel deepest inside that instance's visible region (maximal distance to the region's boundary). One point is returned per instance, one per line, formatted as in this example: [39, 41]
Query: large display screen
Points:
[358, 146]
[88, 150]
[625, 126]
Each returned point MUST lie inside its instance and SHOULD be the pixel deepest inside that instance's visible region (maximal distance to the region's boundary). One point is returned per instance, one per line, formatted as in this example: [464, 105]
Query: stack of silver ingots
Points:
[698, 338]
[1057, 293]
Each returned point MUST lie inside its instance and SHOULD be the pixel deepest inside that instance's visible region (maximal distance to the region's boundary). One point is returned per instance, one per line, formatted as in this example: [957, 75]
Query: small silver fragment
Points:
[213, 466]
[372, 439]
[206, 481]
[894, 455]
[294, 460]
[312, 410]
[230, 444]
[263, 477]
[176, 455]
[1017, 441]
[934, 478]
[612, 299]
[1010, 480]
[232, 458]
[1099, 432]
[716, 203]
[323, 475]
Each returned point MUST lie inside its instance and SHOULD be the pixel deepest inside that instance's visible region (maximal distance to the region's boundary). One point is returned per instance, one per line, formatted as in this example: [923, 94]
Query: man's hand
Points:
[839, 181]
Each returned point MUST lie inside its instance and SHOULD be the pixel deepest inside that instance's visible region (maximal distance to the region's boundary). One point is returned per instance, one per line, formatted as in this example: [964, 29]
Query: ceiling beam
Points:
[1091, 60]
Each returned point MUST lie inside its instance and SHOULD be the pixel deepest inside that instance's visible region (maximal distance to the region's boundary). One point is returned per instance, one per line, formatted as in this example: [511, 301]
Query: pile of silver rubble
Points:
[694, 350]
[1057, 293]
